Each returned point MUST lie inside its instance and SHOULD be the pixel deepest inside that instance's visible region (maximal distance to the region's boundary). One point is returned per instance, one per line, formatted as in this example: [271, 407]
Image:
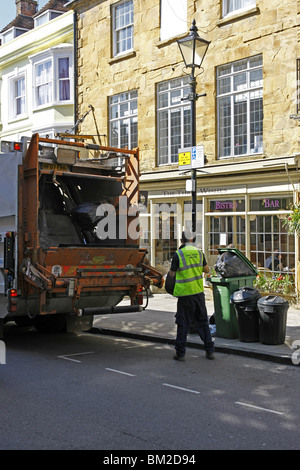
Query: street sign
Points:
[184, 158]
[198, 156]
[191, 157]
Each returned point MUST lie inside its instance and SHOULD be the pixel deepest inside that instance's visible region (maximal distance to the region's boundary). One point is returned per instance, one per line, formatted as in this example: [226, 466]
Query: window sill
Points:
[245, 156]
[126, 55]
[19, 118]
[238, 16]
[167, 42]
[51, 105]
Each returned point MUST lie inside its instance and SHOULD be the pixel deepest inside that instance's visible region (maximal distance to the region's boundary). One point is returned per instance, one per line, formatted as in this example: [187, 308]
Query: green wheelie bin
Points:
[234, 271]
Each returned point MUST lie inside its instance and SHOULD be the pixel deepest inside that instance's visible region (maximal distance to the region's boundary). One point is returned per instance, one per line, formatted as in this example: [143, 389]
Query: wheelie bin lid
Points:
[272, 301]
[245, 295]
[244, 263]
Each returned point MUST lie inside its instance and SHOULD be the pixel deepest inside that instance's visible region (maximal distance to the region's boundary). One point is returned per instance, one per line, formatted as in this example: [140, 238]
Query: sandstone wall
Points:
[272, 28]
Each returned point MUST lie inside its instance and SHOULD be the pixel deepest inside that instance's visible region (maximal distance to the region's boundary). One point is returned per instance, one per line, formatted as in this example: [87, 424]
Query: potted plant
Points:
[292, 220]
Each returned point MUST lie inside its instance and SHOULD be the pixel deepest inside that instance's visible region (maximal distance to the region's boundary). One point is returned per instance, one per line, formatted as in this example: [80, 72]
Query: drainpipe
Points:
[75, 39]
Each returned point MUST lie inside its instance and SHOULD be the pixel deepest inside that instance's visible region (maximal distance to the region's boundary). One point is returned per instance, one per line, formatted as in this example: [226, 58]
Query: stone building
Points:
[129, 68]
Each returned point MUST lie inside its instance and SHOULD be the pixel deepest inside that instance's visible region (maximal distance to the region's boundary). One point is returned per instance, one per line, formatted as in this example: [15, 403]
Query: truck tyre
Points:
[55, 323]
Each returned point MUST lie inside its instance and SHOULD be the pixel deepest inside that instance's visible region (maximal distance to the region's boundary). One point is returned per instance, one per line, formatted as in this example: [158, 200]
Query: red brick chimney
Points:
[26, 7]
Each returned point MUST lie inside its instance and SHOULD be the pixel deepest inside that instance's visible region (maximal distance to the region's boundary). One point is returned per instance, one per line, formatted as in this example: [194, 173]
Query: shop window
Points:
[173, 119]
[225, 231]
[228, 230]
[268, 236]
[166, 233]
[240, 107]
[122, 14]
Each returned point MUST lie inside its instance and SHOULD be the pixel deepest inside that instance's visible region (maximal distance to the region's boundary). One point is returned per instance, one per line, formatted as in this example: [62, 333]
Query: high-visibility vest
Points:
[189, 280]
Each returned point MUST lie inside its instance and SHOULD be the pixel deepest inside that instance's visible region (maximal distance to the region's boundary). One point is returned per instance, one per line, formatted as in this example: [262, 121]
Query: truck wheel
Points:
[50, 323]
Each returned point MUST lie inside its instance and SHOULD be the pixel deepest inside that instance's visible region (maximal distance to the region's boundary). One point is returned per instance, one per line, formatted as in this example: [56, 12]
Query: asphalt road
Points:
[84, 391]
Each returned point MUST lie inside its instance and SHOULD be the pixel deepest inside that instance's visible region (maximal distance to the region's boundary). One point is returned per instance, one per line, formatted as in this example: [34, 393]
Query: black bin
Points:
[273, 316]
[245, 303]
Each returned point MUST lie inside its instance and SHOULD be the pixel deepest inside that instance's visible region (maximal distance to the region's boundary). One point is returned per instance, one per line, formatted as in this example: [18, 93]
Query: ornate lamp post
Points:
[193, 50]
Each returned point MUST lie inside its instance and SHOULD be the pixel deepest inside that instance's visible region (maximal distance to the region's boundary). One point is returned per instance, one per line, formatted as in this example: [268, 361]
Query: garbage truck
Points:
[69, 233]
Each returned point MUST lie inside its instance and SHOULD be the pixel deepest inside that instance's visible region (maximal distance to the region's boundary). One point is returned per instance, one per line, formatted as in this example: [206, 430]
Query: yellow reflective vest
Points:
[189, 280]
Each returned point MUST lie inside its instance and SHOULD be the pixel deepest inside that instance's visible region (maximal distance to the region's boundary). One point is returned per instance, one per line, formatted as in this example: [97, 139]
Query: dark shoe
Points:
[179, 358]
[210, 355]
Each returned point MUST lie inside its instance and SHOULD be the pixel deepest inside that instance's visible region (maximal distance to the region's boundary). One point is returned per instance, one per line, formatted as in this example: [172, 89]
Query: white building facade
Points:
[37, 79]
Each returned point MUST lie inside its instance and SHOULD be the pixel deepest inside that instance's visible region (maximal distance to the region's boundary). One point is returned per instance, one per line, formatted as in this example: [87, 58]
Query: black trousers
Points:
[191, 310]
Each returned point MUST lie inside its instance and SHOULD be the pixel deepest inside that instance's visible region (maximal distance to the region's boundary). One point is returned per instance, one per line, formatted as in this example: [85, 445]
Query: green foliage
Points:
[292, 220]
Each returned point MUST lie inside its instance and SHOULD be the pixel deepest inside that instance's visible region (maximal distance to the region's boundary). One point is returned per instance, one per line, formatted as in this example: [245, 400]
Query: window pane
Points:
[187, 126]
[163, 100]
[123, 120]
[240, 125]
[239, 65]
[256, 122]
[256, 78]
[174, 119]
[224, 85]
[225, 127]
[63, 77]
[43, 80]
[240, 115]
[163, 136]
[63, 67]
[19, 96]
[175, 134]
[240, 82]
[123, 27]
[230, 6]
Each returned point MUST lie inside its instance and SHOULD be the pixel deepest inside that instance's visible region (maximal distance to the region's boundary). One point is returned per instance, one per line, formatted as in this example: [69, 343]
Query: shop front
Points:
[247, 216]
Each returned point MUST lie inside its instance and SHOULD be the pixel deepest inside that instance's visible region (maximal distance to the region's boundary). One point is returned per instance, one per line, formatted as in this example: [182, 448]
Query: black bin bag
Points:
[229, 264]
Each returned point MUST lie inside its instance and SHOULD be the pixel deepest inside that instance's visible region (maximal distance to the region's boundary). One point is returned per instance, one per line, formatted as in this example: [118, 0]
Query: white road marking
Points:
[181, 388]
[258, 408]
[67, 357]
[119, 372]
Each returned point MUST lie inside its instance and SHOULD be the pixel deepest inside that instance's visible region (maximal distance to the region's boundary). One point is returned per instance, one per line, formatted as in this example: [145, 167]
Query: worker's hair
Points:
[188, 236]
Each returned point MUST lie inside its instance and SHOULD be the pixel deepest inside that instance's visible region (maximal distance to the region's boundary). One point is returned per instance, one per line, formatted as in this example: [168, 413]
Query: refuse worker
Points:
[188, 265]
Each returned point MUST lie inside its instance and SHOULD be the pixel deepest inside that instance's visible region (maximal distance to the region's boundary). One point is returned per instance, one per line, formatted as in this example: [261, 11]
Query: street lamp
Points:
[193, 50]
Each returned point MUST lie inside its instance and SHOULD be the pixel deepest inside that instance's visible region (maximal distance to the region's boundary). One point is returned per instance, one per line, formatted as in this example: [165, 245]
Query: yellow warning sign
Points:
[184, 158]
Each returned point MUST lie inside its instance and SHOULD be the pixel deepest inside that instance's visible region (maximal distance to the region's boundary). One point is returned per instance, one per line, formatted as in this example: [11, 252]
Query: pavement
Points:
[157, 324]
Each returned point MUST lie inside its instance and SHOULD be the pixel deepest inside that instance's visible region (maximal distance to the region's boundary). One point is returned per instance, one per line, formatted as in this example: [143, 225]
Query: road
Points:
[85, 391]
